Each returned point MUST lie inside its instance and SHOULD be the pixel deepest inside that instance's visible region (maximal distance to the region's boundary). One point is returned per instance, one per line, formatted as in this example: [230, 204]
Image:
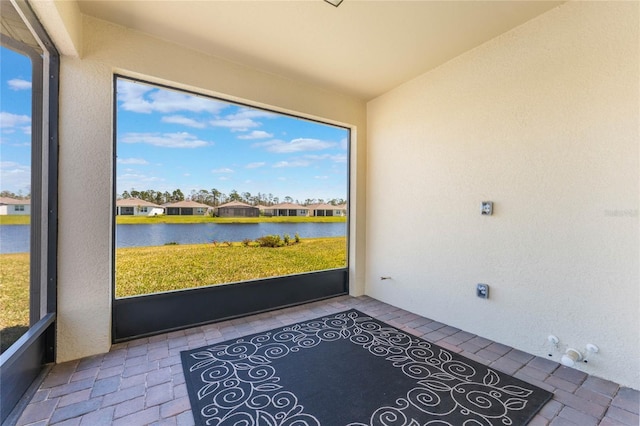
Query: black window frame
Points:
[145, 315]
[24, 362]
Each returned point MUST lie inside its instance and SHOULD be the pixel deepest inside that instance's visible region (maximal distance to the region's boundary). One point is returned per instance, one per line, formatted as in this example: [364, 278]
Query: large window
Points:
[222, 193]
[15, 192]
[28, 141]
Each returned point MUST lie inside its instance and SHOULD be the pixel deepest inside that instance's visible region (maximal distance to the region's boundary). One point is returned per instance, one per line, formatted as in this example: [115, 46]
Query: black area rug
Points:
[349, 369]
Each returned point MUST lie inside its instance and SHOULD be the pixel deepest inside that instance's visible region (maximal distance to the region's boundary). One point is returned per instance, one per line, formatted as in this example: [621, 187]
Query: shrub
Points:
[228, 243]
[171, 243]
[296, 238]
[287, 239]
[270, 241]
[246, 242]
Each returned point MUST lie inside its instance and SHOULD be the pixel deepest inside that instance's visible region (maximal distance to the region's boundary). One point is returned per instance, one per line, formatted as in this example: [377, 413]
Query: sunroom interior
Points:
[532, 105]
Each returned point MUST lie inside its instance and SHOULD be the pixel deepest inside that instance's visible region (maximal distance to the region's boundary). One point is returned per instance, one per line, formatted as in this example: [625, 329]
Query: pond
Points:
[15, 238]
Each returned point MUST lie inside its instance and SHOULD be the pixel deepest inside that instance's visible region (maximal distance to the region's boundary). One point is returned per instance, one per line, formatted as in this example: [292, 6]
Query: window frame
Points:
[141, 316]
[22, 363]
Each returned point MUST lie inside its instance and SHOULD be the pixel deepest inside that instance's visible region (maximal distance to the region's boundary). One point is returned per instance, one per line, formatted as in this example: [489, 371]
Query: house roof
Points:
[187, 204]
[13, 201]
[324, 206]
[287, 206]
[235, 204]
[133, 202]
[362, 48]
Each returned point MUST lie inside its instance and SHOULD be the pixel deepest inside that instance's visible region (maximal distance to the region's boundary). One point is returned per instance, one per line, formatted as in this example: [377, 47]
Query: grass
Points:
[146, 220]
[14, 298]
[143, 270]
[15, 219]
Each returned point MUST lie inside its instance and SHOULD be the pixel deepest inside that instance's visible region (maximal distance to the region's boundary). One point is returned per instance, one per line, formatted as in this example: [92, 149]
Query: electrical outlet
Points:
[482, 291]
[487, 208]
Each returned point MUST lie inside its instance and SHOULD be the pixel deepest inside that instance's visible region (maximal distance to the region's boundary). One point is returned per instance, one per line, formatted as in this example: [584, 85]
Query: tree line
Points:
[215, 198]
[18, 196]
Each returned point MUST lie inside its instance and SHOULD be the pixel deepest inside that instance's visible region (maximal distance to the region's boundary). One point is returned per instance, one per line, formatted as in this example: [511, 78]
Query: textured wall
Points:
[543, 121]
[86, 159]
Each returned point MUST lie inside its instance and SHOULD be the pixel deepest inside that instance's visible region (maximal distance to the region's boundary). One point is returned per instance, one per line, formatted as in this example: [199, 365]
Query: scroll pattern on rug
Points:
[241, 387]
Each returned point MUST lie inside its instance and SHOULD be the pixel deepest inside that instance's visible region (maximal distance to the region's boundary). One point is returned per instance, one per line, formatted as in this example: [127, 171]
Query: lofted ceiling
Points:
[362, 48]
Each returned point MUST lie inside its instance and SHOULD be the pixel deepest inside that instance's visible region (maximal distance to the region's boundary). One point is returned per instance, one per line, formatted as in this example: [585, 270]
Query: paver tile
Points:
[101, 417]
[627, 399]
[105, 386]
[143, 417]
[128, 407]
[578, 417]
[141, 382]
[39, 411]
[75, 410]
[623, 416]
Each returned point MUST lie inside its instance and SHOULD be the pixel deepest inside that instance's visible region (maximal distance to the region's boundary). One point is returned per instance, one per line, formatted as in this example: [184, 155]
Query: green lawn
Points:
[143, 270]
[145, 220]
[15, 220]
[14, 297]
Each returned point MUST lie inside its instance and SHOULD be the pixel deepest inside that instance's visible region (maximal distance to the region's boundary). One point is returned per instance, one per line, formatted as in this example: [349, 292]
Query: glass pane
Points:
[15, 194]
[211, 192]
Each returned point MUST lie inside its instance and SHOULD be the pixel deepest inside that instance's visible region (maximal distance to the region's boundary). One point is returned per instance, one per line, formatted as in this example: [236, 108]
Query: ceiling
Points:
[362, 48]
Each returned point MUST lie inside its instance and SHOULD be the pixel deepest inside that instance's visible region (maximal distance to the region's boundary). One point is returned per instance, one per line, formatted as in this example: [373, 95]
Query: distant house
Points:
[322, 210]
[14, 207]
[237, 209]
[286, 209]
[186, 208]
[137, 207]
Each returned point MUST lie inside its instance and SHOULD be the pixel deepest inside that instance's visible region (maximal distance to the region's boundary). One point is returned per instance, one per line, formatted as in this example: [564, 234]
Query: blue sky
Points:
[15, 122]
[169, 139]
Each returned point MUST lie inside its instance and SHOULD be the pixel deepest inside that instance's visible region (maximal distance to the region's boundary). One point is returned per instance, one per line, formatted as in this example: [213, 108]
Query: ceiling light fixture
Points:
[335, 3]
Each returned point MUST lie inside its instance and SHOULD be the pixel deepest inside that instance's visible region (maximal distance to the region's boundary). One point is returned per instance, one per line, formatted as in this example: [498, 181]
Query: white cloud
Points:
[235, 124]
[256, 134]
[255, 165]
[336, 158]
[252, 113]
[137, 97]
[222, 170]
[344, 144]
[132, 160]
[15, 176]
[295, 163]
[19, 84]
[166, 140]
[179, 119]
[321, 177]
[296, 145]
[224, 178]
[133, 180]
[9, 121]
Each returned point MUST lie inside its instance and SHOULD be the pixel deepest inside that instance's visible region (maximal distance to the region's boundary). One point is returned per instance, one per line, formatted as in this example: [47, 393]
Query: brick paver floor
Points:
[141, 382]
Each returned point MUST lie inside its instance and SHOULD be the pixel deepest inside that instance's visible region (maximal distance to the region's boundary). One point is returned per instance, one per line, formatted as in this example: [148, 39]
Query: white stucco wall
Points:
[544, 122]
[86, 158]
